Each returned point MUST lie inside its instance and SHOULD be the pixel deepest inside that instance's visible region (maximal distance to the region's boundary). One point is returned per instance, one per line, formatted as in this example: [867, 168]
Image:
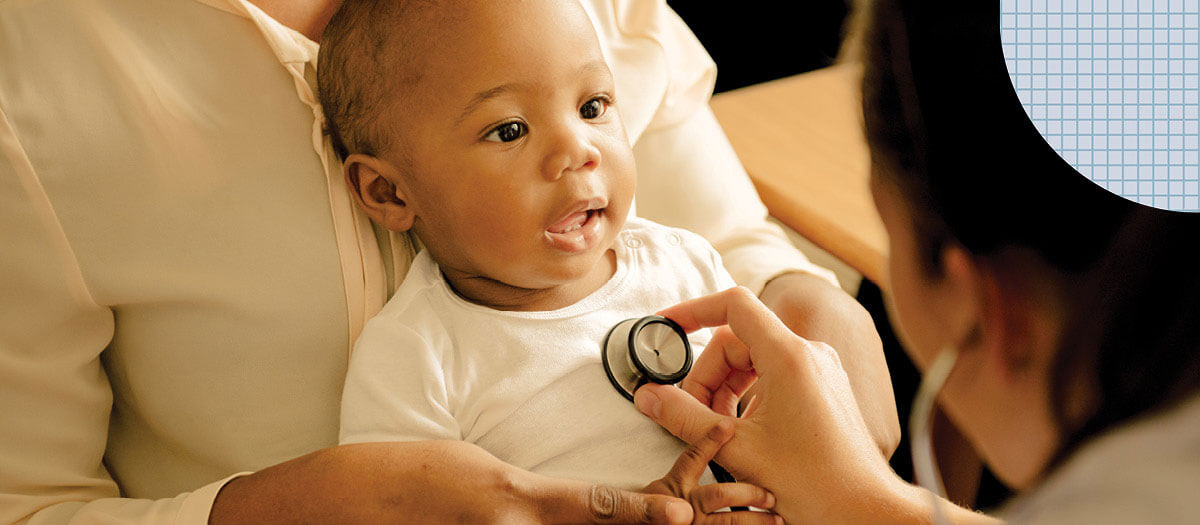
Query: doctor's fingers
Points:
[722, 373]
[753, 324]
[678, 412]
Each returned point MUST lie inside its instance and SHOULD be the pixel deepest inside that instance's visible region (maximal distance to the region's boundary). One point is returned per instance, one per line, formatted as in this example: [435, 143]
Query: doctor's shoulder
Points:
[1147, 471]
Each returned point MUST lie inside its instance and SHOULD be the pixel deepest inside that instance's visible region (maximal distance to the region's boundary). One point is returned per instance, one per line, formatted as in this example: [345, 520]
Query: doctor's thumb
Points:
[677, 411]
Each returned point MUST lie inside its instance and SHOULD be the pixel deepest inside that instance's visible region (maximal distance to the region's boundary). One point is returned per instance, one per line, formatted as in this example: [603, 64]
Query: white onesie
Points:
[528, 387]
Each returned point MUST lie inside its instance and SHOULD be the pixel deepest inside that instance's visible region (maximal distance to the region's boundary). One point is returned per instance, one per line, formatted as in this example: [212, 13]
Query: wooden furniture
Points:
[801, 140]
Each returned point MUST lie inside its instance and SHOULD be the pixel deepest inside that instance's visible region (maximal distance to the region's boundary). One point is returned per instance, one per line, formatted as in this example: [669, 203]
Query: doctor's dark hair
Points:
[370, 52]
[946, 129]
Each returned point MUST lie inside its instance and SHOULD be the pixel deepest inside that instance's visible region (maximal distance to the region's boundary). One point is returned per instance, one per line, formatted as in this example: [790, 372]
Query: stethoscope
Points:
[920, 427]
[651, 349]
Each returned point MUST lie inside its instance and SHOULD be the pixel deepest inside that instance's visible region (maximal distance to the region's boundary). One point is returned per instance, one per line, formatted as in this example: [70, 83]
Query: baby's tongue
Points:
[571, 221]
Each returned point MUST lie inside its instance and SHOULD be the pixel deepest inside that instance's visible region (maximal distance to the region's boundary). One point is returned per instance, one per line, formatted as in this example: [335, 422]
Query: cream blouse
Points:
[183, 271]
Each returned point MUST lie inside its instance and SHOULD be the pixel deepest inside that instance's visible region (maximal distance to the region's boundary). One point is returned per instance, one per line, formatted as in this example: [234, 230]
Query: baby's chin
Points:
[579, 266]
[546, 284]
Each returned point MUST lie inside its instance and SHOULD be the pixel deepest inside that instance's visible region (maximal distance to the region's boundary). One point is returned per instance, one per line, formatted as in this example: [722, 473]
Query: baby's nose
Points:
[572, 152]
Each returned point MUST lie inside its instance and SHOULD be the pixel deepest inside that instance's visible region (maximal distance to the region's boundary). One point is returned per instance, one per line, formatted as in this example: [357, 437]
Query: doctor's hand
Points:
[803, 437]
[683, 479]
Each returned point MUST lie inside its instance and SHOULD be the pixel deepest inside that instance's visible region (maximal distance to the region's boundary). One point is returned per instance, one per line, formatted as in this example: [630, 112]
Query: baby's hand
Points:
[683, 478]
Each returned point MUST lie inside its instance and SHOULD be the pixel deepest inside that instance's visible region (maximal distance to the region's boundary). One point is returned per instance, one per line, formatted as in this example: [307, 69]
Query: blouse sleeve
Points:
[55, 399]
[688, 173]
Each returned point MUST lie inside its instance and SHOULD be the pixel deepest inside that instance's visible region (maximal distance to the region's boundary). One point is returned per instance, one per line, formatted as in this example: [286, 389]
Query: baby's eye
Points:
[593, 108]
[507, 132]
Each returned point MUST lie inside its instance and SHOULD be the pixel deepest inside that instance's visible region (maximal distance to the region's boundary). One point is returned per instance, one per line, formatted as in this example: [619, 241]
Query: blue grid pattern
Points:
[1113, 86]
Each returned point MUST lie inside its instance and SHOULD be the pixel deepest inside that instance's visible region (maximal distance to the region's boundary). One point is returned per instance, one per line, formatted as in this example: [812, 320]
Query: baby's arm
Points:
[395, 388]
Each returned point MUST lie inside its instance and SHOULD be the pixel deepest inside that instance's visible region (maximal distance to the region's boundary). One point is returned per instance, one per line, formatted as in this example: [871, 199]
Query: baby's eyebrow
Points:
[481, 97]
[594, 66]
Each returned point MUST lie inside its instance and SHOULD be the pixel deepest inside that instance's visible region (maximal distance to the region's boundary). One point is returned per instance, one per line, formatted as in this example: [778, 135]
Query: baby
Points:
[491, 131]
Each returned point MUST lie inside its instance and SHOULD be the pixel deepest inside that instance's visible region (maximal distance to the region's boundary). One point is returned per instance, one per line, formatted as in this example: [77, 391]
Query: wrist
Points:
[914, 504]
[880, 497]
[894, 502]
[919, 505]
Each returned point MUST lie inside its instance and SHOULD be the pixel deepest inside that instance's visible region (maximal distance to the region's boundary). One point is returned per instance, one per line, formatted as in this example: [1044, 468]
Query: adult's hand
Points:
[818, 311]
[429, 482]
[803, 437]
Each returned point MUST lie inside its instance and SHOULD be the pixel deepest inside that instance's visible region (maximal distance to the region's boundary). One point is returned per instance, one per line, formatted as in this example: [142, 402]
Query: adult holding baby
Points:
[1060, 318]
[185, 271]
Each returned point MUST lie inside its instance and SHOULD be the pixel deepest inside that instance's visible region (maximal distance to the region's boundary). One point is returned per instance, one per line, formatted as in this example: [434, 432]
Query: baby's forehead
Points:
[427, 30]
[440, 54]
[448, 19]
[446, 36]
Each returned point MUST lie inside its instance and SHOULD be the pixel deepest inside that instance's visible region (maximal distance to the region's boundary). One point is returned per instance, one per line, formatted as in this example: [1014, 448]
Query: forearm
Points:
[905, 503]
[367, 483]
[437, 481]
[872, 494]
[816, 310]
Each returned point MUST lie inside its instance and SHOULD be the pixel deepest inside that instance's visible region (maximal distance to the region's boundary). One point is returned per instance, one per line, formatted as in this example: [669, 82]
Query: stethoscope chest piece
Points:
[651, 349]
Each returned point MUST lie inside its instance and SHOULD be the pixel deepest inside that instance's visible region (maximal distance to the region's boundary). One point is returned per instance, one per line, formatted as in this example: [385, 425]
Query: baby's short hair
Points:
[368, 50]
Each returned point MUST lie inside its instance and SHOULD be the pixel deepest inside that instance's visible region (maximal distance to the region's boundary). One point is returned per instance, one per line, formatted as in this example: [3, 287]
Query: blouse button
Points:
[633, 242]
[674, 239]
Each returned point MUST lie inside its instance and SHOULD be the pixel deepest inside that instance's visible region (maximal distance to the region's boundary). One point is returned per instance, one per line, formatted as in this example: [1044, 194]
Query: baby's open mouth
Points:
[573, 221]
[578, 231]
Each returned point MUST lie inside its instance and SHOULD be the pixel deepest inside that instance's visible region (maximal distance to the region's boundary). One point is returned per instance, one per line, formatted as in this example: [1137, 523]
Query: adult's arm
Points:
[438, 481]
[690, 177]
[804, 438]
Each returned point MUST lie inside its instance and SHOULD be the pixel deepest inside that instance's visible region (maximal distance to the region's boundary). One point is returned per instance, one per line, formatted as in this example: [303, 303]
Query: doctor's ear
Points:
[378, 190]
[963, 279]
[999, 319]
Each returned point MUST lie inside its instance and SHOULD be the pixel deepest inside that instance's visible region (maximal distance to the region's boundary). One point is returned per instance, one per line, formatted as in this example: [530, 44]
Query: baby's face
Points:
[519, 167]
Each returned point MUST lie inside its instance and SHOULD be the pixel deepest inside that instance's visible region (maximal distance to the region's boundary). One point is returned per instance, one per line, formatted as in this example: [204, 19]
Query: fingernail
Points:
[648, 403]
[679, 512]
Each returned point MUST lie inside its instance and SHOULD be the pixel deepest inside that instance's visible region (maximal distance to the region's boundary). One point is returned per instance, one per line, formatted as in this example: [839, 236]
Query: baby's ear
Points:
[375, 186]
